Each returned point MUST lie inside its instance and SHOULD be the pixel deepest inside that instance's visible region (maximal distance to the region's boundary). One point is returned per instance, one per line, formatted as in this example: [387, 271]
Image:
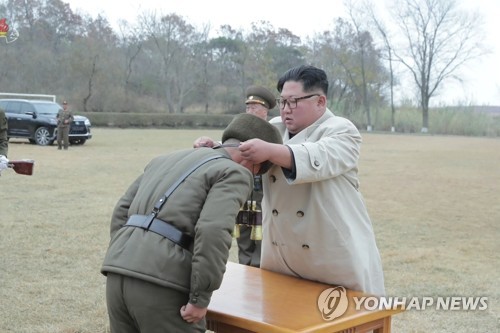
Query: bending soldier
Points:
[171, 233]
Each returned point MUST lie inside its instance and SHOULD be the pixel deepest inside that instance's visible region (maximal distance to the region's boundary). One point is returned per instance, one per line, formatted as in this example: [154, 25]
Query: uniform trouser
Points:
[137, 306]
[63, 135]
[248, 250]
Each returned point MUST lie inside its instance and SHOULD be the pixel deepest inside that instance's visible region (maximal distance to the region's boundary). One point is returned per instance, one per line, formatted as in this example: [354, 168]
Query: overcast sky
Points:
[481, 79]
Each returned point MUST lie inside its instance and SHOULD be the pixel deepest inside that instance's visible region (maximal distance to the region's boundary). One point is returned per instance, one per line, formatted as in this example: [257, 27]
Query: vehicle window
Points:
[13, 107]
[47, 108]
[26, 107]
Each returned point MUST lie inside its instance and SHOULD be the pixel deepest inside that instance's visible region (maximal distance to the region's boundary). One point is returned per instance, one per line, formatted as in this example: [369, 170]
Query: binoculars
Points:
[251, 217]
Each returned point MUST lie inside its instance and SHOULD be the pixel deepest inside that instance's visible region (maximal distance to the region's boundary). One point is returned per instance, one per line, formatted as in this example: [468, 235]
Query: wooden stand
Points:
[255, 300]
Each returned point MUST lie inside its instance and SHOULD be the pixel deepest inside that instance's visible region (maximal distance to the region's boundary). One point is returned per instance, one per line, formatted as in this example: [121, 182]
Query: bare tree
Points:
[131, 45]
[388, 55]
[91, 60]
[439, 39]
[363, 41]
[228, 56]
[174, 40]
[90, 83]
[349, 53]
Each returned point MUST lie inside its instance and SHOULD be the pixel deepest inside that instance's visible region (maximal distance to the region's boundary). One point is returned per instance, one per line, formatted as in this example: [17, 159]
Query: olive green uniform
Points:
[248, 249]
[4, 145]
[148, 271]
[64, 119]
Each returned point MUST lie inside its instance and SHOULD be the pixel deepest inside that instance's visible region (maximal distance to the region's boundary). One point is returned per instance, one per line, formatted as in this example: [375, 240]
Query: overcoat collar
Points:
[306, 132]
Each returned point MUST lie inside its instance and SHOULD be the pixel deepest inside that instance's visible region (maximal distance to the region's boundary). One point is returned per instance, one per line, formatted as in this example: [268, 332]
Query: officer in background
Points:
[64, 119]
[4, 143]
[259, 100]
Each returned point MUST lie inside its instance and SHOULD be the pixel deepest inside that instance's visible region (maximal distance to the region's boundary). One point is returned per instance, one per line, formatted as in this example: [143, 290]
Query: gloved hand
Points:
[4, 163]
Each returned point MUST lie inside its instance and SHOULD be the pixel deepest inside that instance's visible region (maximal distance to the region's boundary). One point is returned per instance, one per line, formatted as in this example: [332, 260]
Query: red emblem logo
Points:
[9, 34]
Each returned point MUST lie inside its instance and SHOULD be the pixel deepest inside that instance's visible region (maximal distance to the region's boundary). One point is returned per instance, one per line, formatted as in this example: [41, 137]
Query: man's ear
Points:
[322, 100]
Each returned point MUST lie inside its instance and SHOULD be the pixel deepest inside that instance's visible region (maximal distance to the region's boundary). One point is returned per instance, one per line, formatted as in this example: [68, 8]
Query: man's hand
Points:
[4, 163]
[255, 151]
[258, 151]
[192, 313]
[204, 141]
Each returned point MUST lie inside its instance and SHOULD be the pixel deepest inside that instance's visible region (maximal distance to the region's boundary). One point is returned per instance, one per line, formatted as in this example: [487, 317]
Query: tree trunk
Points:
[425, 115]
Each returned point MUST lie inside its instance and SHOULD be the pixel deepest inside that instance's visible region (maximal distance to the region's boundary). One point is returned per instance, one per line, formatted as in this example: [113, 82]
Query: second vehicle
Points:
[36, 121]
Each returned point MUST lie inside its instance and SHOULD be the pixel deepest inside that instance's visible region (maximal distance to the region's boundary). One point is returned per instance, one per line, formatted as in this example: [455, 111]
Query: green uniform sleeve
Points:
[4, 145]
[213, 233]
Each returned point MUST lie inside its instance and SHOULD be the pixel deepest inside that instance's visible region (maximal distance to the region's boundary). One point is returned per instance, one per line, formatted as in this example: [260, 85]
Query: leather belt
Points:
[161, 228]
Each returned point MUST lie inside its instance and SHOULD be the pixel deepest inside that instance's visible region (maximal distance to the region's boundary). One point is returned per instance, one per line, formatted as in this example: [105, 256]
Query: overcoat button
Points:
[273, 179]
[275, 212]
[305, 246]
[300, 213]
[316, 163]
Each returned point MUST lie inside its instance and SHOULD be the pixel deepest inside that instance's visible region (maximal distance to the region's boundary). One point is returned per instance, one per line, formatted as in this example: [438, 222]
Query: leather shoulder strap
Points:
[181, 179]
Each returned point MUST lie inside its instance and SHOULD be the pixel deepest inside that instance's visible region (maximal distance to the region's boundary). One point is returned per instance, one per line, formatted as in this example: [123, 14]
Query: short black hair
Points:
[310, 76]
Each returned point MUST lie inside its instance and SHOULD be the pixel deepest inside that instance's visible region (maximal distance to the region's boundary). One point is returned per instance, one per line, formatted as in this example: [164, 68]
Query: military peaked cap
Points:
[260, 95]
[246, 126]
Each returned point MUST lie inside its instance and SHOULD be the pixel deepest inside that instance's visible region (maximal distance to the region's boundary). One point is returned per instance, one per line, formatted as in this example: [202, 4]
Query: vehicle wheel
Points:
[42, 136]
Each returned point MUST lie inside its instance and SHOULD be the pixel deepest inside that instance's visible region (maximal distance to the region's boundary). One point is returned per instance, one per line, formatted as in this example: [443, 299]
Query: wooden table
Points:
[256, 300]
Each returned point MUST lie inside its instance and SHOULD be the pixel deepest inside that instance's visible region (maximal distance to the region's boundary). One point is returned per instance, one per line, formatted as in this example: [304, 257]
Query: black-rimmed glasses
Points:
[292, 102]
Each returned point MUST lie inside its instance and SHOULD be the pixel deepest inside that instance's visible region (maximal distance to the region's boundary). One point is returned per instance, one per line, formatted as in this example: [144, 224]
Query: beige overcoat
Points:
[316, 226]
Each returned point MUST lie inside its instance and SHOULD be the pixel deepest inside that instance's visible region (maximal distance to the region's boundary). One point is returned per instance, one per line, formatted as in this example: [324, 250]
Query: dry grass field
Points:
[434, 203]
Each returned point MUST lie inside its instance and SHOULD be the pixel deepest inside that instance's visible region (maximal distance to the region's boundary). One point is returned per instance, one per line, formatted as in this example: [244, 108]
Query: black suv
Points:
[36, 121]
